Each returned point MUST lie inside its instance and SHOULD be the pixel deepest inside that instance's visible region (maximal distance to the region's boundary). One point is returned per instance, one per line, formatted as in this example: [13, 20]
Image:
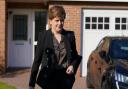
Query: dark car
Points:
[107, 66]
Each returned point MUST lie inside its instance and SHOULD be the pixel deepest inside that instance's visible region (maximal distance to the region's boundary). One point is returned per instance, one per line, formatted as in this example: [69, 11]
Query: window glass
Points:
[123, 20]
[117, 20]
[97, 23]
[87, 26]
[117, 26]
[20, 27]
[94, 19]
[106, 26]
[119, 49]
[40, 22]
[100, 26]
[87, 19]
[100, 19]
[121, 23]
[106, 20]
[123, 27]
[94, 26]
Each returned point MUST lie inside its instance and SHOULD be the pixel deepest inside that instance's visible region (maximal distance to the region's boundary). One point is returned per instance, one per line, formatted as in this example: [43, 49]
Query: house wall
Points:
[17, 5]
[2, 35]
[73, 19]
[74, 15]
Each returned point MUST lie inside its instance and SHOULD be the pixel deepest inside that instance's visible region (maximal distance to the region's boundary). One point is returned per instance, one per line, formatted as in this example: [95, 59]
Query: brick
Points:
[2, 35]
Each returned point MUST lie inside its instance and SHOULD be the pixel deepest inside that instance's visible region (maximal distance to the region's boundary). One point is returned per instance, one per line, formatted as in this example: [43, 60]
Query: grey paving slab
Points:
[20, 78]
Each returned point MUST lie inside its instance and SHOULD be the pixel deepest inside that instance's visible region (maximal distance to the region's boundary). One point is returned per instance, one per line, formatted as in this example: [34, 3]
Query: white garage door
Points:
[98, 24]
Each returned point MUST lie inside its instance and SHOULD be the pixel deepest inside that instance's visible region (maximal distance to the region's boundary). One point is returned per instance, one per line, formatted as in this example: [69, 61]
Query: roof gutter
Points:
[95, 0]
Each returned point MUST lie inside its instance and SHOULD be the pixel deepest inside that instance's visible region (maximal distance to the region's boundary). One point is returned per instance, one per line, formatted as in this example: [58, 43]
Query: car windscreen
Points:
[118, 49]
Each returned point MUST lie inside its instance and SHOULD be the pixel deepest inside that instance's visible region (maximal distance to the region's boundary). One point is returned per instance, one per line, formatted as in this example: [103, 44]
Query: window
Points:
[94, 23]
[106, 23]
[40, 22]
[20, 26]
[121, 23]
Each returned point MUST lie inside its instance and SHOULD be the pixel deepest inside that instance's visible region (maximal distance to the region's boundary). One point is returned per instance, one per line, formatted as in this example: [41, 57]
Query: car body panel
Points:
[98, 66]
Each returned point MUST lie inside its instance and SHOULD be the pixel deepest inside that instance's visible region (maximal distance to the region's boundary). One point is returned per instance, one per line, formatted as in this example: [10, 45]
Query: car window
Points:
[119, 49]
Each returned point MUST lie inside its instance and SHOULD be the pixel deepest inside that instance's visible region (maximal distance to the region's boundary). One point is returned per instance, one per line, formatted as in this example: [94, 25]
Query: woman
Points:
[58, 45]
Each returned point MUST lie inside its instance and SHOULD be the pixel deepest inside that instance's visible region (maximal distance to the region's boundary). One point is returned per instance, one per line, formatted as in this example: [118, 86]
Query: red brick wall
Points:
[2, 35]
[72, 22]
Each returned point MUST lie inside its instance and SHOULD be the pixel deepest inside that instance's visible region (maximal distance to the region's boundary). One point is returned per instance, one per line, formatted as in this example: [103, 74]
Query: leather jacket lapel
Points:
[67, 47]
[50, 45]
[49, 39]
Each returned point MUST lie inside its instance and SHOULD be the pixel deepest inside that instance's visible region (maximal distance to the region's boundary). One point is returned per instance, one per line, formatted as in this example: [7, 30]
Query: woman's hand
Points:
[70, 70]
[31, 87]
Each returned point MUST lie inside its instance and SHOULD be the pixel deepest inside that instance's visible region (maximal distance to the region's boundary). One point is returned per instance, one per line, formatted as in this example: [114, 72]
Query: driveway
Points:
[20, 77]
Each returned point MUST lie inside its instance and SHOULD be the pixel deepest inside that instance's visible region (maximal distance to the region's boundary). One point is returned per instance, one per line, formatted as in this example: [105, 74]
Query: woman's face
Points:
[57, 24]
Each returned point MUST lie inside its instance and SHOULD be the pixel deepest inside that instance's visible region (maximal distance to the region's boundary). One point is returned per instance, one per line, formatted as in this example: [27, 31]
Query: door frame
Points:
[32, 12]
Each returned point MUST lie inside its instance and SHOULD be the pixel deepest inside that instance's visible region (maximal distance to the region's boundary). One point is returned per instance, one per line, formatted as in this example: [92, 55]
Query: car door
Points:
[100, 62]
[96, 65]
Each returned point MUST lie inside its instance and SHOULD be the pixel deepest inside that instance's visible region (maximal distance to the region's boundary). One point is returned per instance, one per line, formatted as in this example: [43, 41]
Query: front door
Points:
[23, 29]
[20, 36]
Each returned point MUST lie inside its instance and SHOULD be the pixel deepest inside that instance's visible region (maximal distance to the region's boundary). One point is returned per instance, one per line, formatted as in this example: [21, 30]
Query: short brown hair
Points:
[57, 11]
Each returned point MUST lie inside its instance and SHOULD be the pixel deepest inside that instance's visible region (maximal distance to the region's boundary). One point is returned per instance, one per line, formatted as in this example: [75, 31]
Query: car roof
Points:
[115, 37]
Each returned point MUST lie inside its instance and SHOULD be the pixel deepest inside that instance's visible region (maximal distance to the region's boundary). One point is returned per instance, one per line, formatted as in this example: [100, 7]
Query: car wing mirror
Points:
[103, 54]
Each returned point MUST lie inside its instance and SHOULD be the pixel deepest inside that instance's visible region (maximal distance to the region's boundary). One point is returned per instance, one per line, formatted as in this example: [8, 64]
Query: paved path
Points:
[20, 78]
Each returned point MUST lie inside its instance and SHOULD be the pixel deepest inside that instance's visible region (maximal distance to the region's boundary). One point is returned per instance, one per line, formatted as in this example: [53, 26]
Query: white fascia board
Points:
[95, 0]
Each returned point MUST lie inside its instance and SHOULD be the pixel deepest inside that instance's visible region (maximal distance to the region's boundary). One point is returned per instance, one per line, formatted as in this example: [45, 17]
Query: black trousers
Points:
[60, 80]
